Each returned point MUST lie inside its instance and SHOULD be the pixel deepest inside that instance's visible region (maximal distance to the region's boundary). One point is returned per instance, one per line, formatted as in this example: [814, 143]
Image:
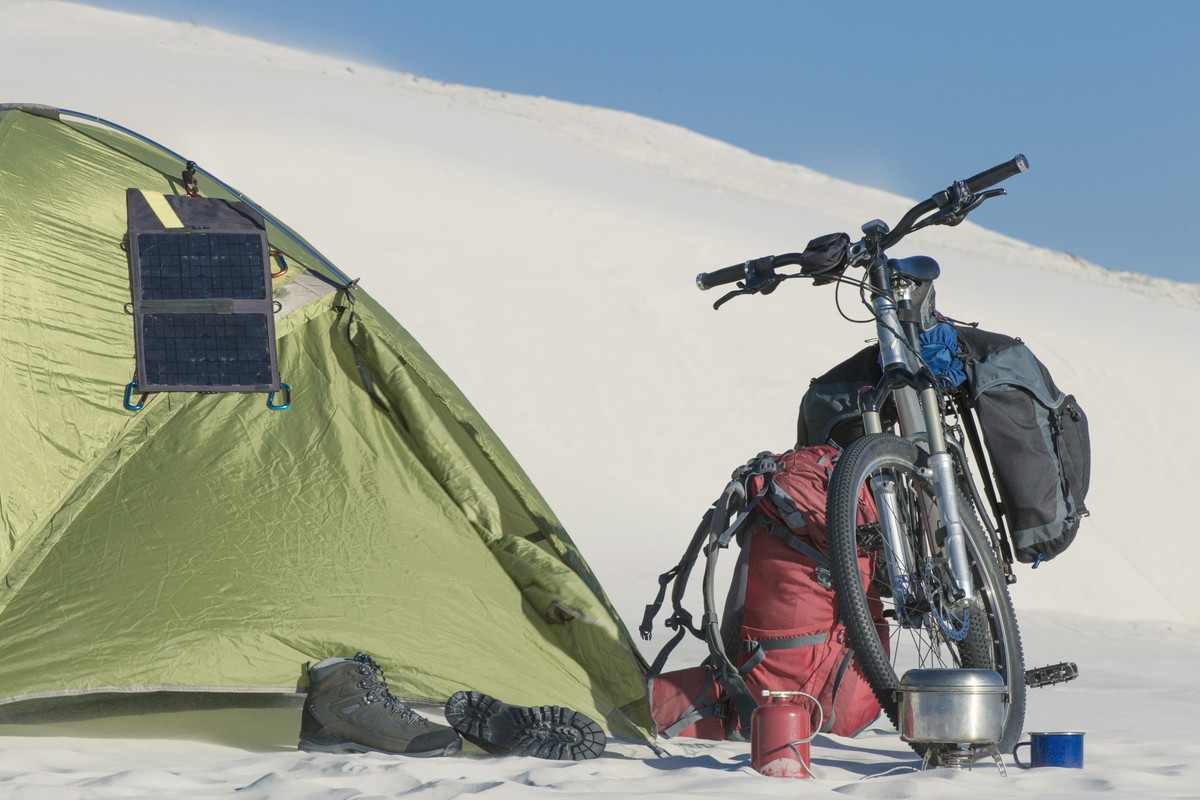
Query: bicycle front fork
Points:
[942, 475]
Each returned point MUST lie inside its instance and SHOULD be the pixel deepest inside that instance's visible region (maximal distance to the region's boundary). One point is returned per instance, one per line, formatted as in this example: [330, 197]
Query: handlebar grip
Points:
[996, 174]
[707, 280]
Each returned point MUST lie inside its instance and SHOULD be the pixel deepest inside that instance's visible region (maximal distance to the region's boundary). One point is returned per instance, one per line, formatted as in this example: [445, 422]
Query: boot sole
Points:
[311, 743]
[551, 732]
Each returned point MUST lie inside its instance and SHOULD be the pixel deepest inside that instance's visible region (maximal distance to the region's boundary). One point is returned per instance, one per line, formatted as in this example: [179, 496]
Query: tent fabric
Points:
[209, 543]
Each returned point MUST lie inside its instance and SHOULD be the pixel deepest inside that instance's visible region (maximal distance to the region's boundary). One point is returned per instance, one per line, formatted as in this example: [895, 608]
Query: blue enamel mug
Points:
[1052, 749]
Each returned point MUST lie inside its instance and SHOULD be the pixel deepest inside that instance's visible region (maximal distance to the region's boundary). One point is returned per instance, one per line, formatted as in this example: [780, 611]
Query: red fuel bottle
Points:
[780, 732]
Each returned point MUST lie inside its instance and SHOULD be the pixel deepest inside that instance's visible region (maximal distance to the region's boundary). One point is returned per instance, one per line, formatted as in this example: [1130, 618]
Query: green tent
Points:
[207, 542]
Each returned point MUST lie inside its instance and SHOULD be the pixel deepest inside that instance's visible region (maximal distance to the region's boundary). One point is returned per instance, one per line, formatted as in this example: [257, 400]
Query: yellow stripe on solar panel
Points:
[162, 209]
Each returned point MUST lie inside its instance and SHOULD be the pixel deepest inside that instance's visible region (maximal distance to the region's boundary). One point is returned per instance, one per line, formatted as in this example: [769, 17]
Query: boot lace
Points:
[376, 686]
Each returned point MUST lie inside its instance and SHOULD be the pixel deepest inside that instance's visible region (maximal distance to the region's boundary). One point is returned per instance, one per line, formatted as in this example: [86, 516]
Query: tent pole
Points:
[345, 279]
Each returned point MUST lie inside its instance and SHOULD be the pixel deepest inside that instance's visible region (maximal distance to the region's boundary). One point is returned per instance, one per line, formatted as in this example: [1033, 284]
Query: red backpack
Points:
[780, 629]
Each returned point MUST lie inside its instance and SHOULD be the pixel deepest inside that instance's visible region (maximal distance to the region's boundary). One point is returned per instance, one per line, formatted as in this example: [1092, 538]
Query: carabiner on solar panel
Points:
[285, 404]
[141, 403]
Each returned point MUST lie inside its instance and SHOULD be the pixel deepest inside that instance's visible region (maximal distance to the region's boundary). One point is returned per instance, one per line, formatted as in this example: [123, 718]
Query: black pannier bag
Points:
[829, 409]
[1035, 435]
[1037, 440]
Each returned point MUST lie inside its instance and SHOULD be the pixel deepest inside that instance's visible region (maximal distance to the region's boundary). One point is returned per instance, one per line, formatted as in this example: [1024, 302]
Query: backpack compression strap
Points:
[759, 649]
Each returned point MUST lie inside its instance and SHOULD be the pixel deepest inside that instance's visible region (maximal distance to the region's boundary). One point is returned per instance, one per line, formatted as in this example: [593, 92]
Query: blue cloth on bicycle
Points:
[939, 348]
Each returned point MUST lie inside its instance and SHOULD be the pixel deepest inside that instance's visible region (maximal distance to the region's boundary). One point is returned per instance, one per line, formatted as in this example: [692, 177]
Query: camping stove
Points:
[960, 713]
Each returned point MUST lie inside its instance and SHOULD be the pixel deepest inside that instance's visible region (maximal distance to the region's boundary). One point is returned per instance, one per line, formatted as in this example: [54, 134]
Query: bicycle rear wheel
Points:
[921, 625]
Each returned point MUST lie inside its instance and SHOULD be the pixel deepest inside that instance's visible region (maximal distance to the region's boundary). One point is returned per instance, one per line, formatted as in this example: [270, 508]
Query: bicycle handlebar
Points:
[998, 173]
[720, 277]
[973, 186]
[755, 268]
[952, 206]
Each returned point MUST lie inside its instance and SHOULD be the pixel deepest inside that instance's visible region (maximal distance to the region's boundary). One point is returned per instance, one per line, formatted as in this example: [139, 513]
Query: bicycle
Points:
[942, 565]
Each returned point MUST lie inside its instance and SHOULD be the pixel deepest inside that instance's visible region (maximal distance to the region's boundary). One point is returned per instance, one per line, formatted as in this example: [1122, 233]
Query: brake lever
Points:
[960, 212]
[956, 203]
[755, 283]
[727, 298]
[979, 198]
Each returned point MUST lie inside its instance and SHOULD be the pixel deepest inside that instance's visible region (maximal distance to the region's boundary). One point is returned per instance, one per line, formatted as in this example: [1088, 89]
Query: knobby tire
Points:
[992, 639]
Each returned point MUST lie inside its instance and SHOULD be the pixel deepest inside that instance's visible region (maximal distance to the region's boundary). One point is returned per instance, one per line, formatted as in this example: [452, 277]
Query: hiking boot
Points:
[350, 710]
[542, 731]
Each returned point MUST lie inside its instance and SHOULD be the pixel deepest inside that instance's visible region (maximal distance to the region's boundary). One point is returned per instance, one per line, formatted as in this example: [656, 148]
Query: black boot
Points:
[542, 731]
[350, 710]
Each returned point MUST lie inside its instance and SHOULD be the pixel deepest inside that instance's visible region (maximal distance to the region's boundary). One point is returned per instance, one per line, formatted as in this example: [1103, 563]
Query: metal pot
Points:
[952, 706]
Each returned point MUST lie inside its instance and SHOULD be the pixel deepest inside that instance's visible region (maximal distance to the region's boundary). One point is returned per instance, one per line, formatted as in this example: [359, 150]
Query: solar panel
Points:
[181, 266]
[201, 287]
[208, 350]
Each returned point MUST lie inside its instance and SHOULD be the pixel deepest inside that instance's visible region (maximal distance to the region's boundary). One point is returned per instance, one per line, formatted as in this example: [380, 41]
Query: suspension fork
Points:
[900, 559]
[920, 420]
[945, 484]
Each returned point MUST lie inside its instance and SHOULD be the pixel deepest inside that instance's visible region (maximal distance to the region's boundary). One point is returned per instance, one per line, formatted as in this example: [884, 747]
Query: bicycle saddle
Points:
[919, 268]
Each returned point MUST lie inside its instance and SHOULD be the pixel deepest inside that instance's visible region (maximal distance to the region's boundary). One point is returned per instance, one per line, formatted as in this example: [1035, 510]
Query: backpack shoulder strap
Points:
[715, 525]
[681, 619]
[727, 518]
[727, 674]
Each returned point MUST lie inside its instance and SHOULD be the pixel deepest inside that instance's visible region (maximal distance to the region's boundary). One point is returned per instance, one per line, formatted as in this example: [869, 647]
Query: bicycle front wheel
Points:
[882, 511]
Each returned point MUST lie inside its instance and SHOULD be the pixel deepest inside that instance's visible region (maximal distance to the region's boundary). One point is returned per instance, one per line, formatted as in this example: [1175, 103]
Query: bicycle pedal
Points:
[1048, 676]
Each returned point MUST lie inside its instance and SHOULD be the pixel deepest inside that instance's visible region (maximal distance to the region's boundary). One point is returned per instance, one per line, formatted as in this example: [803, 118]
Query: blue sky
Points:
[1102, 96]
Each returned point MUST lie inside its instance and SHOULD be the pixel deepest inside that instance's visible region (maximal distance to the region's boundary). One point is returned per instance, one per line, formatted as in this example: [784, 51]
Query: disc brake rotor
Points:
[952, 618]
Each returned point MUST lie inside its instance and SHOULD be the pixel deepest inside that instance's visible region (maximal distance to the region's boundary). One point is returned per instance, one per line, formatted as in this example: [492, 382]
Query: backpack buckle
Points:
[824, 577]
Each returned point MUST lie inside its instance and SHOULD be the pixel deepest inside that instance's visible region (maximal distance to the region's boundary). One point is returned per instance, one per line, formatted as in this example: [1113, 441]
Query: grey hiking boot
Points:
[350, 710]
[542, 731]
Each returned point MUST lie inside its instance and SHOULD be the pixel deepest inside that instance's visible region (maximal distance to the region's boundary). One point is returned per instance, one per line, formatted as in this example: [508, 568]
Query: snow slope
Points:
[545, 258]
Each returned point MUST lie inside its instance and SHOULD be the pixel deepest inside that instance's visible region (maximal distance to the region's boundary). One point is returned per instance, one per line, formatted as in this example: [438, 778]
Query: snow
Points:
[544, 253]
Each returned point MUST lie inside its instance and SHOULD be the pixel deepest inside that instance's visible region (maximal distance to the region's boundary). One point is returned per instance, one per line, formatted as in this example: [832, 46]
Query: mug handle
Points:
[1017, 760]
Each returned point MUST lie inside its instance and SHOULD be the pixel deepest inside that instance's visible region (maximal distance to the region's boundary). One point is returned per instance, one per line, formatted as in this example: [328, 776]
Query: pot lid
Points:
[971, 680]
